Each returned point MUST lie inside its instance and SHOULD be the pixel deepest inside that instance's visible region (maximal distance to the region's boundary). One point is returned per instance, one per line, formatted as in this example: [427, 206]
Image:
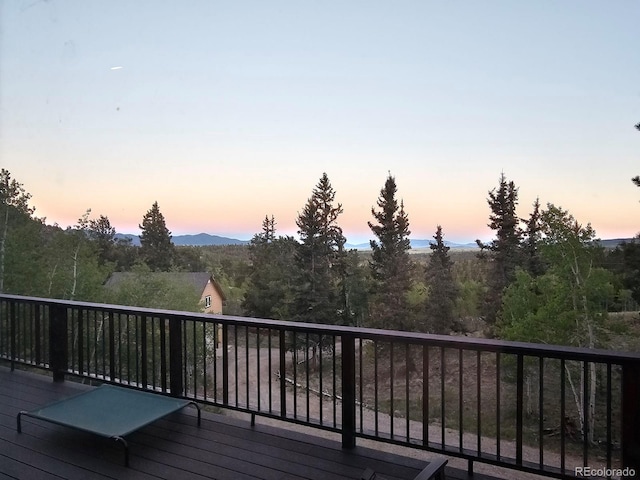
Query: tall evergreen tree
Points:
[272, 277]
[532, 241]
[319, 255]
[103, 234]
[443, 290]
[390, 263]
[504, 253]
[156, 247]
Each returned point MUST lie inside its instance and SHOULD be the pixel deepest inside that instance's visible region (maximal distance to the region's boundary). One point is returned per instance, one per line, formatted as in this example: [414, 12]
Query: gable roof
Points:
[198, 280]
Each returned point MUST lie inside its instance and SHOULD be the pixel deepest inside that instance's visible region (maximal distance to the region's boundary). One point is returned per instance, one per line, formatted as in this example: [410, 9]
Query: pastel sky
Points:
[226, 111]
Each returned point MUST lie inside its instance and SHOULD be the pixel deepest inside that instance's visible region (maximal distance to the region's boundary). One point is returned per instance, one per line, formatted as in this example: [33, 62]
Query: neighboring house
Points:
[211, 295]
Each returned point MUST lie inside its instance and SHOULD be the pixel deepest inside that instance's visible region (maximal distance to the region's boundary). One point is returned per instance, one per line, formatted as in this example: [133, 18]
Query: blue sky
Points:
[225, 112]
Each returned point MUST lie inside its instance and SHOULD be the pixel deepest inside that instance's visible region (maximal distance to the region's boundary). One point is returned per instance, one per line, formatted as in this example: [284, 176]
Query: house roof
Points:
[198, 280]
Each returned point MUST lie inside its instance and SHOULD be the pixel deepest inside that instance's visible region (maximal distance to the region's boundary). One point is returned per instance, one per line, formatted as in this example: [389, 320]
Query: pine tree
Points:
[390, 264]
[505, 251]
[270, 290]
[531, 242]
[443, 290]
[156, 248]
[103, 234]
[319, 256]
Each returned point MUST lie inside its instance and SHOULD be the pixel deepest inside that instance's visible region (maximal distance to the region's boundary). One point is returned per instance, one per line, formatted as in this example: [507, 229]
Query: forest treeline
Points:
[544, 277]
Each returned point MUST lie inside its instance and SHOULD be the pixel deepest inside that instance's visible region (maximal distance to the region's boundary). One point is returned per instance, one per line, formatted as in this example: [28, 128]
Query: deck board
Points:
[223, 447]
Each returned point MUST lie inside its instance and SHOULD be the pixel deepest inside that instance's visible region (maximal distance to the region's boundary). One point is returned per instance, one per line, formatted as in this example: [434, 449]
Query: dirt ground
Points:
[253, 388]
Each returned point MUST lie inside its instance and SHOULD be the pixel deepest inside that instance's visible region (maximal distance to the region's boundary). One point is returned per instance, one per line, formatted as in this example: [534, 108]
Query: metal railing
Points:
[535, 408]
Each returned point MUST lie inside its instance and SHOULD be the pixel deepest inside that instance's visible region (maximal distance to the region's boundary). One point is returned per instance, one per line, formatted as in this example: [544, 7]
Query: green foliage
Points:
[101, 231]
[14, 211]
[567, 304]
[503, 254]
[531, 243]
[440, 305]
[146, 289]
[320, 258]
[625, 261]
[390, 265]
[269, 293]
[156, 248]
[71, 265]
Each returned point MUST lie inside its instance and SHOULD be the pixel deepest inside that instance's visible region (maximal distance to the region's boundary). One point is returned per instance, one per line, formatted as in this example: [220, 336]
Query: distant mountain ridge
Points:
[198, 240]
[205, 239]
[417, 244]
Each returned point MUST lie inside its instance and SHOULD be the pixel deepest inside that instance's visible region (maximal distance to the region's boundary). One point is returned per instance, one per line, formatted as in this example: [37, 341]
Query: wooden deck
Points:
[175, 448]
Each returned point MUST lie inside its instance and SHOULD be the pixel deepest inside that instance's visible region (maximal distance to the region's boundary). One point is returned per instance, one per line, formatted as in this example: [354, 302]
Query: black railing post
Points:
[112, 348]
[176, 383]
[12, 333]
[58, 341]
[519, 407]
[282, 360]
[348, 391]
[225, 364]
[143, 351]
[631, 416]
[37, 335]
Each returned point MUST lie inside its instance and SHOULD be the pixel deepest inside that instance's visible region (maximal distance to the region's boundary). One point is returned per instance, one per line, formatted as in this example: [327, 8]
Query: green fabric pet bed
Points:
[109, 411]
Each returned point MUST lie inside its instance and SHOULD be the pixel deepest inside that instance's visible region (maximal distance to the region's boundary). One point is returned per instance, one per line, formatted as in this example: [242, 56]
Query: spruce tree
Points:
[269, 292]
[103, 234]
[504, 253]
[531, 242]
[156, 247]
[319, 256]
[443, 290]
[390, 264]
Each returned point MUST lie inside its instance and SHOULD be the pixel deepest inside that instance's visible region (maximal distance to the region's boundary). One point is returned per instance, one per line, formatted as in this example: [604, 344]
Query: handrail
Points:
[399, 387]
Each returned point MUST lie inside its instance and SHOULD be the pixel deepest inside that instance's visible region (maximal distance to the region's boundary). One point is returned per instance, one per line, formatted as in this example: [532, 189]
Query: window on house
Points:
[207, 301]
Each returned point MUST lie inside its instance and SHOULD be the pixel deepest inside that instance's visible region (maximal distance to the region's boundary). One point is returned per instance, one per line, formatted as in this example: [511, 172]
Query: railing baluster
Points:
[348, 391]
[563, 426]
[12, 334]
[246, 367]
[375, 375]
[425, 395]
[519, 407]
[391, 382]
[460, 399]
[407, 363]
[143, 351]
[498, 413]
[80, 338]
[306, 370]
[609, 407]
[258, 378]
[360, 382]
[541, 410]
[585, 415]
[442, 399]
[283, 386]
[479, 401]
[235, 363]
